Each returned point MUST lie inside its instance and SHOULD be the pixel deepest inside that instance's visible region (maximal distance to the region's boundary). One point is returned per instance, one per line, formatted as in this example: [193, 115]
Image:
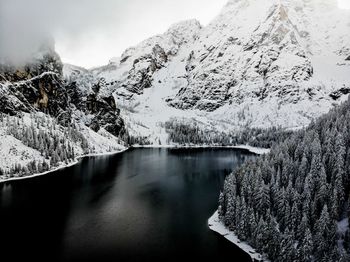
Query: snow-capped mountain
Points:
[47, 122]
[257, 64]
[39, 85]
[34, 85]
[134, 70]
[258, 50]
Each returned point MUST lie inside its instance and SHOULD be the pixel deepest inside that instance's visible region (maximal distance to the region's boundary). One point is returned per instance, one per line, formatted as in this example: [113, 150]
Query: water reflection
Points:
[6, 195]
[142, 204]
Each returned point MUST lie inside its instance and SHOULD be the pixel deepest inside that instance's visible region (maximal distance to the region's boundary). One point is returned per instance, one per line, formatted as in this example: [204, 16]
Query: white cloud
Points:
[127, 23]
[344, 4]
[90, 32]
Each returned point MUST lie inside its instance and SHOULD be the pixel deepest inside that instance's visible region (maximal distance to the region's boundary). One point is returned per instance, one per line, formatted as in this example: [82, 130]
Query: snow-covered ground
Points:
[216, 225]
[14, 151]
[62, 165]
[252, 149]
[278, 63]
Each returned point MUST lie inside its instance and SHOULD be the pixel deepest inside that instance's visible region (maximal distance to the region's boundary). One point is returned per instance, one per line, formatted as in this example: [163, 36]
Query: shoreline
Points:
[217, 226]
[76, 161]
[251, 149]
[214, 223]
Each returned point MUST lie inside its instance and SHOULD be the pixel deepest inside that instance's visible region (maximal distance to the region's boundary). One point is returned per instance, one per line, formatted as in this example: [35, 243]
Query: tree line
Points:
[292, 204]
[184, 132]
[54, 142]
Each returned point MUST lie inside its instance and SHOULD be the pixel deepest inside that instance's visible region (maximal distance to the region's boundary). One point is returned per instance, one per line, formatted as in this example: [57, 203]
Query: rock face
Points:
[39, 85]
[258, 49]
[134, 71]
[257, 64]
[36, 85]
[101, 111]
[45, 60]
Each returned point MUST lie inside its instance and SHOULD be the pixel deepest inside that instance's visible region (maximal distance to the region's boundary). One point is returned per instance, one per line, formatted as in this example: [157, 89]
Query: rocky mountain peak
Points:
[34, 84]
[258, 63]
[270, 45]
[133, 71]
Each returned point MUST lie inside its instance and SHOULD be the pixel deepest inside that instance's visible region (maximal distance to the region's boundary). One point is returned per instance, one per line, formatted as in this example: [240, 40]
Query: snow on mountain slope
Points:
[17, 158]
[257, 64]
[14, 151]
[133, 72]
[34, 93]
[143, 77]
[81, 76]
[260, 49]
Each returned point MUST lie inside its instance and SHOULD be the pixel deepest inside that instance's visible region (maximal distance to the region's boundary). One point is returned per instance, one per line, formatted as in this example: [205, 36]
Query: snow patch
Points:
[216, 225]
[63, 166]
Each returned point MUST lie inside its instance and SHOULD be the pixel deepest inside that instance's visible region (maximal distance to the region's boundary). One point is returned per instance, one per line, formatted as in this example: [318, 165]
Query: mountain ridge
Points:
[257, 64]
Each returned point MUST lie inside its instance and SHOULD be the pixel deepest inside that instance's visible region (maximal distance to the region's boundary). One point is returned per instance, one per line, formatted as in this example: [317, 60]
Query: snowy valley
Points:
[256, 66]
[193, 107]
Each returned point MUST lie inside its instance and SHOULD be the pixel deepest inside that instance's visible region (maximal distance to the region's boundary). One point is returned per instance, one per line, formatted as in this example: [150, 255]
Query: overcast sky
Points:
[104, 29]
[90, 32]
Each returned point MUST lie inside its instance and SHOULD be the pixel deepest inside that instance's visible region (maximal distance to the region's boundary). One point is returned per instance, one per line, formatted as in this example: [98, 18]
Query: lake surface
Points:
[141, 205]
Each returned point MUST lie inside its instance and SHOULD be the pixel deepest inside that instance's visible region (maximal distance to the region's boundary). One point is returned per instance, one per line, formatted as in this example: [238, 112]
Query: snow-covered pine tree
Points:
[301, 189]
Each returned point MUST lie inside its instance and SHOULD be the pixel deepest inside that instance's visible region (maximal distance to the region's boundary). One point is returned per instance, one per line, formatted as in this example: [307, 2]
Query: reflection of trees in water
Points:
[116, 197]
[5, 194]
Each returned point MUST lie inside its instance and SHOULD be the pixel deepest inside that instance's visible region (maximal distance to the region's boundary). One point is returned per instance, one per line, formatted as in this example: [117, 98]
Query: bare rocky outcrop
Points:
[36, 85]
[39, 85]
[257, 64]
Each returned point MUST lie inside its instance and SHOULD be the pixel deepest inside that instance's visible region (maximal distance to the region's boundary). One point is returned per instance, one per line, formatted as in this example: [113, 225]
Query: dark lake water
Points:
[141, 205]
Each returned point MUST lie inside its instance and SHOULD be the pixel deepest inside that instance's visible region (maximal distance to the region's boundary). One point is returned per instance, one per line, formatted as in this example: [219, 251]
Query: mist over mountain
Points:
[270, 77]
[257, 64]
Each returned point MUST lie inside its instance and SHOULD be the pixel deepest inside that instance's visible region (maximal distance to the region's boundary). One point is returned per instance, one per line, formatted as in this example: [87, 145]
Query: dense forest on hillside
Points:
[293, 204]
[55, 143]
[191, 133]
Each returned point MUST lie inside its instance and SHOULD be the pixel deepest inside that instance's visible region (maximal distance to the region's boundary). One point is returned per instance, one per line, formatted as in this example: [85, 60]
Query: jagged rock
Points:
[140, 76]
[86, 98]
[36, 85]
[135, 69]
[269, 53]
[339, 93]
[10, 104]
[258, 64]
[48, 61]
[39, 86]
[45, 93]
[106, 114]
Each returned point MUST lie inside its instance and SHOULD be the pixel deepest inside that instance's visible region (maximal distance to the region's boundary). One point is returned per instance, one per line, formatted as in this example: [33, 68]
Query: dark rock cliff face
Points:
[141, 75]
[104, 112]
[49, 61]
[35, 86]
[218, 72]
[45, 93]
[132, 73]
[39, 86]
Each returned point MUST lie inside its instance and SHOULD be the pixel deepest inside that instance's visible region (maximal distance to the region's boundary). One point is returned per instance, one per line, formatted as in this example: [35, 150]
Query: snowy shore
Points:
[63, 166]
[254, 150]
[217, 226]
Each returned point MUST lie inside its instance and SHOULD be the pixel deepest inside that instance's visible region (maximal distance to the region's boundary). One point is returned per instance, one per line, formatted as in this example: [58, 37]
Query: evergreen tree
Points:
[301, 190]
